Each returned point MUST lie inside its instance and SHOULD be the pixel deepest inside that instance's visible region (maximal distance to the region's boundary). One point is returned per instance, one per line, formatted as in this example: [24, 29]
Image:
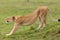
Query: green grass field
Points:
[22, 7]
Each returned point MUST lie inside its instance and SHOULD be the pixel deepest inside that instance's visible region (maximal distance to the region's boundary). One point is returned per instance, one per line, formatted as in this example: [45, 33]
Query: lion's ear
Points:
[13, 17]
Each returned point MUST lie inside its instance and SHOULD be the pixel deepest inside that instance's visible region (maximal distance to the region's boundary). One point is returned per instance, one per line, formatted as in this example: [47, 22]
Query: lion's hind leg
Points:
[43, 22]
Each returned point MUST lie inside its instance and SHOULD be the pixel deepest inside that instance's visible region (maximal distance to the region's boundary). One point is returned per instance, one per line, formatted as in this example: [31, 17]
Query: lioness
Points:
[40, 13]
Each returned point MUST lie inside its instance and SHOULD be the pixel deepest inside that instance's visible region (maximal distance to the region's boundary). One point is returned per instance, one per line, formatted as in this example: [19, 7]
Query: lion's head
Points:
[10, 19]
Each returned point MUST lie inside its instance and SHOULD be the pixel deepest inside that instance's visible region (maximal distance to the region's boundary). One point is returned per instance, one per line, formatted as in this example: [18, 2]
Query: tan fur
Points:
[40, 13]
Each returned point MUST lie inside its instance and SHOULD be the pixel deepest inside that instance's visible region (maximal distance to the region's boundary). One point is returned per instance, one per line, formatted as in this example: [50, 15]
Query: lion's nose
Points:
[7, 21]
[58, 20]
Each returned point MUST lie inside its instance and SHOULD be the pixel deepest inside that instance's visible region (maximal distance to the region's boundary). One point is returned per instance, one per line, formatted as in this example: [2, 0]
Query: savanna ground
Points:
[23, 7]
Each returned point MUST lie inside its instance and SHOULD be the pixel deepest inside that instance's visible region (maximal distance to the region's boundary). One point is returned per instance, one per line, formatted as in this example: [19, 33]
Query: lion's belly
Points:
[29, 21]
[27, 24]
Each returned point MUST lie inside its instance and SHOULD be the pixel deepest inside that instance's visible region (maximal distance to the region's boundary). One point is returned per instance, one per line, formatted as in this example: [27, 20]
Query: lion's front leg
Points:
[16, 26]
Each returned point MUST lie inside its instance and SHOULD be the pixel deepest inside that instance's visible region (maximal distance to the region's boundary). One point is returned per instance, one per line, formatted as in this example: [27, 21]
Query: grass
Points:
[22, 7]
